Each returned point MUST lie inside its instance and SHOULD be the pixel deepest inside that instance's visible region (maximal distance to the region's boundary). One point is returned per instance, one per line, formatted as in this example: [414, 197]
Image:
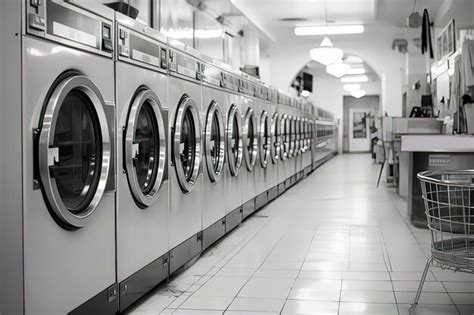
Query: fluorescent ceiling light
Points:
[359, 93]
[187, 33]
[326, 53]
[329, 30]
[351, 87]
[355, 79]
[338, 69]
[356, 71]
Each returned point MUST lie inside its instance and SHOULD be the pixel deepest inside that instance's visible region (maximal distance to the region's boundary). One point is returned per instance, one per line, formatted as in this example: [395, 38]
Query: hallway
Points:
[333, 244]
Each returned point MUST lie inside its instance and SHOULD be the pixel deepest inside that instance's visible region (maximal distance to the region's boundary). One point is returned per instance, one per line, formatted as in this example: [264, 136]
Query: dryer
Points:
[142, 177]
[250, 144]
[186, 153]
[234, 151]
[264, 145]
[68, 159]
[213, 122]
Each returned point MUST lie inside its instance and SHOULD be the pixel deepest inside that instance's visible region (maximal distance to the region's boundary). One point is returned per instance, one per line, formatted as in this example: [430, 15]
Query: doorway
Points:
[357, 120]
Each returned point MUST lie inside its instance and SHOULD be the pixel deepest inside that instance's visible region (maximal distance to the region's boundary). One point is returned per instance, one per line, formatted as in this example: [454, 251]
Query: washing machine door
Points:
[214, 142]
[275, 138]
[250, 135]
[234, 140]
[284, 135]
[265, 139]
[73, 151]
[187, 151]
[297, 147]
[145, 147]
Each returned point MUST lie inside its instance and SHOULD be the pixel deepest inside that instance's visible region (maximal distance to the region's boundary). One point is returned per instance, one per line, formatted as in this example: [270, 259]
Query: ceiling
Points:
[268, 14]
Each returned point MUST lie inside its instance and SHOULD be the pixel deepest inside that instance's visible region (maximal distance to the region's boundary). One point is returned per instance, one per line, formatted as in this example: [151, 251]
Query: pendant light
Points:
[326, 53]
[338, 69]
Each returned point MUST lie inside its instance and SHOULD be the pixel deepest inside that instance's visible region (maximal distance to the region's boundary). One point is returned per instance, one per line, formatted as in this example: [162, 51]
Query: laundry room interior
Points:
[254, 157]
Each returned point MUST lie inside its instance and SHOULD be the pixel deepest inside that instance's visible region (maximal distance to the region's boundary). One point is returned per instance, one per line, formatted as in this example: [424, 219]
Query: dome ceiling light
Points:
[359, 93]
[326, 53]
[351, 88]
[338, 69]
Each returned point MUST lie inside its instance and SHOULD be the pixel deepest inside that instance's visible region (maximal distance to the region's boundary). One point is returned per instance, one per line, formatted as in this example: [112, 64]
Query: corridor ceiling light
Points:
[329, 30]
[359, 93]
[353, 59]
[355, 79]
[187, 33]
[326, 53]
[338, 69]
[356, 71]
[351, 87]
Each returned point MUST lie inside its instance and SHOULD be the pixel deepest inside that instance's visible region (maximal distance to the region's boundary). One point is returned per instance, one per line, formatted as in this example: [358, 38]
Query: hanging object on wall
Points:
[414, 19]
[400, 44]
[426, 43]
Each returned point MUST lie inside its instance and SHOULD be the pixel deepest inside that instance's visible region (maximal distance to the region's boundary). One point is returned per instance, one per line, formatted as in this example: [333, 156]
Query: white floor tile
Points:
[363, 285]
[368, 297]
[266, 288]
[348, 308]
[412, 286]
[310, 307]
[257, 304]
[200, 302]
[425, 309]
[426, 298]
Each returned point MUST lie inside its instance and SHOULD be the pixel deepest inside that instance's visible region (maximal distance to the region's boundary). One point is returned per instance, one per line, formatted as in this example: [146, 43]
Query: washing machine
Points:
[250, 144]
[213, 122]
[234, 151]
[283, 165]
[275, 144]
[185, 147]
[264, 144]
[306, 140]
[142, 177]
[68, 159]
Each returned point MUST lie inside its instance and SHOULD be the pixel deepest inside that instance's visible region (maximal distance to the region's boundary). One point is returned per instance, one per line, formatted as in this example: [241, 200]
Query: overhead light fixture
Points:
[188, 33]
[355, 79]
[329, 30]
[305, 93]
[338, 69]
[356, 71]
[351, 88]
[353, 59]
[359, 93]
[326, 53]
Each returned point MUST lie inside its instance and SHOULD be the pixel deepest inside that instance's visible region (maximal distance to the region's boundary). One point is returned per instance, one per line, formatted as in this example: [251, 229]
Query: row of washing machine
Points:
[138, 153]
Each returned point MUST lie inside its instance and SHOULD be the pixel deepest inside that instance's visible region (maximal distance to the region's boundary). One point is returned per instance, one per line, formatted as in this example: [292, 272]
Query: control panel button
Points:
[36, 22]
[35, 3]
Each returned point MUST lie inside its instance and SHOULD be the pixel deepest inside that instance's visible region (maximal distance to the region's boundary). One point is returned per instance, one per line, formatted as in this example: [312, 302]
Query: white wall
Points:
[374, 47]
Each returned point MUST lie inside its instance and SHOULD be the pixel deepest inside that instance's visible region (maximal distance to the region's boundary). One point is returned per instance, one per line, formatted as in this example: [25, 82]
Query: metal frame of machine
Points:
[191, 97]
[142, 153]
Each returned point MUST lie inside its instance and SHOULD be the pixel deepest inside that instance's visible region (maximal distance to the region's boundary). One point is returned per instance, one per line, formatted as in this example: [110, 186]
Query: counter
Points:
[432, 152]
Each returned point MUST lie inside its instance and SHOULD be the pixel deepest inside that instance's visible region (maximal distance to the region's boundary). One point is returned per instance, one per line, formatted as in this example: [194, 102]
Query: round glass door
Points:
[234, 140]
[285, 147]
[265, 139]
[74, 151]
[250, 139]
[187, 144]
[145, 148]
[275, 138]
[214, 142]
[297, 135]
[290, 136]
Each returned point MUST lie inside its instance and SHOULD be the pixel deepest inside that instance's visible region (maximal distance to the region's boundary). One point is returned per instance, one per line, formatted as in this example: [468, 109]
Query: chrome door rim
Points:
[275, 139]
[185, 104]
[250, 157]
[234, 166]
[142, 97]
[213, 110]
[297, 136]
[283, 138]
[46, 156]
[290, 137]
[264, 148]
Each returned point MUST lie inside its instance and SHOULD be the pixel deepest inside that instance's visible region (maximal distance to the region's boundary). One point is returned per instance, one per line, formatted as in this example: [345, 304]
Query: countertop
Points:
[438, 143]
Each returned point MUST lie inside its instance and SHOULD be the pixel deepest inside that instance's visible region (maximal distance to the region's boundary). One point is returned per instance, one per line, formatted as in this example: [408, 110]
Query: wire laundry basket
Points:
[449, 207]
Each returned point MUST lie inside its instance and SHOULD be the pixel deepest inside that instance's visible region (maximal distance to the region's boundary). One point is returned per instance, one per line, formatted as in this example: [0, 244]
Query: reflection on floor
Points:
[334, 244]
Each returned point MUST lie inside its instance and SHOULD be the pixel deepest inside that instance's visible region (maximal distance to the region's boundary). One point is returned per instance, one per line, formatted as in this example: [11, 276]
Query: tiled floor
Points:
[333, 244]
